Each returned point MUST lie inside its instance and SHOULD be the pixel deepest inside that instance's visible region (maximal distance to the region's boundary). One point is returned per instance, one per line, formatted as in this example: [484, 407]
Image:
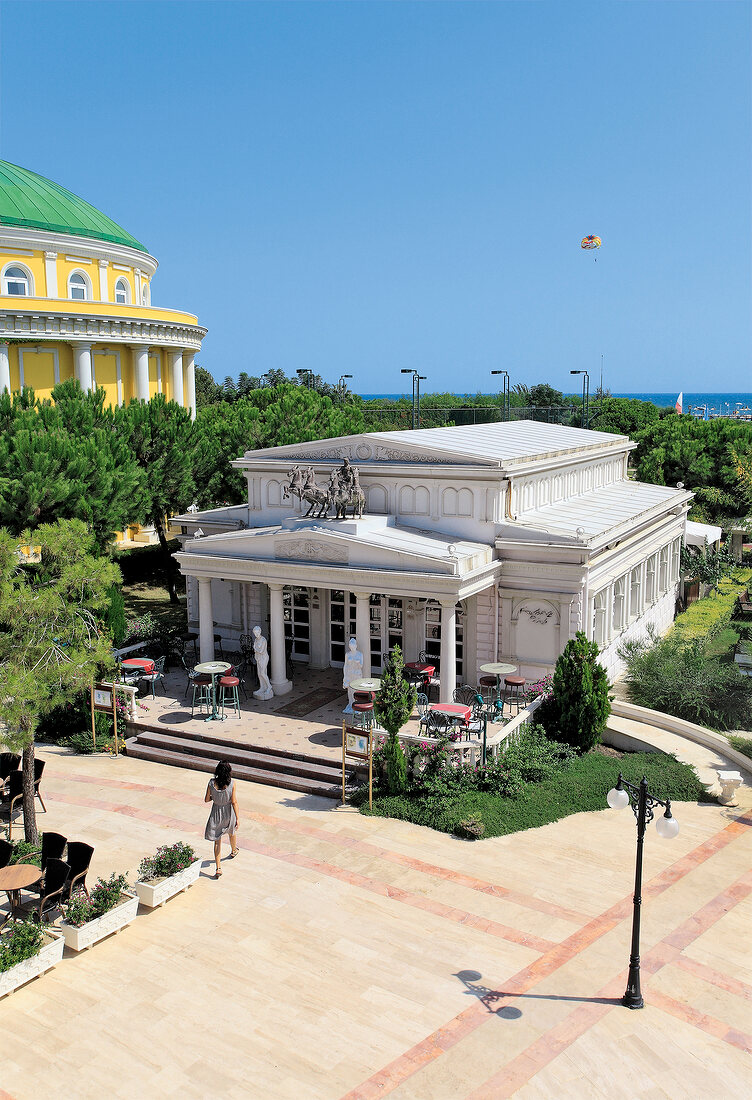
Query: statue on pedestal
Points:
[261, 655]
[353, 670]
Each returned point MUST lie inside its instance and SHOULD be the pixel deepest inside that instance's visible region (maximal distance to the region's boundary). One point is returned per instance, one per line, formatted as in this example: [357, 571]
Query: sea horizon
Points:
[717, 401]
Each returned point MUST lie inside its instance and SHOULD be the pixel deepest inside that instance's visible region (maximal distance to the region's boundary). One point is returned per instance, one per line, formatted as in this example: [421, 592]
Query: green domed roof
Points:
[29, 199]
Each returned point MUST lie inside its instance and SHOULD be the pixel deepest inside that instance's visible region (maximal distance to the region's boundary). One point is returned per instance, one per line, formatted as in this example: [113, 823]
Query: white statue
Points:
[353, 669]
[261, 654]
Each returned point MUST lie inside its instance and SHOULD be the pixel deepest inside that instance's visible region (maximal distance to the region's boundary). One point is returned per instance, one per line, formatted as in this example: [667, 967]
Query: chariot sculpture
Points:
[342, 492]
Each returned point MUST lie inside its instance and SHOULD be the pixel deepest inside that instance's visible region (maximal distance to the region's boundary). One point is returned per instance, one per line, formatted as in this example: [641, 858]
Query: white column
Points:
[205, 620]
[141, 370]
[4, 368]
[82, 363]
[50, 273]
[448, 652]
[363, 628]
[103, 292]
[189, 365]
[280, 683]
[177, 376]
[137, 284]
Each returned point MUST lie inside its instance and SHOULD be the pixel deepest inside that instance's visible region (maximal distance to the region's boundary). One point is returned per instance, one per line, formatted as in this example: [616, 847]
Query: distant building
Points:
[76, 301]
[483, 543]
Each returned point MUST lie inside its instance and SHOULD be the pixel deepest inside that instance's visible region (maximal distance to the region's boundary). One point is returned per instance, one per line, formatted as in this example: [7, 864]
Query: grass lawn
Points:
[142, 597]
[741, 744]
[581, 786]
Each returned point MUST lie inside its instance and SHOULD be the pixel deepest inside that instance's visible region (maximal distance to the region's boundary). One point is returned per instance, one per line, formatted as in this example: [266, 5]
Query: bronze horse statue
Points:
[308, 491]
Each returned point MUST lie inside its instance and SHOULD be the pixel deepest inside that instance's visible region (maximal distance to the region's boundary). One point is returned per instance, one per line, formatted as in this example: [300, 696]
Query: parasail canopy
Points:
[590, 242]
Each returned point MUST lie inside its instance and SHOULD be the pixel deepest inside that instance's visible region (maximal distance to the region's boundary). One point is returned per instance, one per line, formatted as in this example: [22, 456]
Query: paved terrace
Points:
[347, 957]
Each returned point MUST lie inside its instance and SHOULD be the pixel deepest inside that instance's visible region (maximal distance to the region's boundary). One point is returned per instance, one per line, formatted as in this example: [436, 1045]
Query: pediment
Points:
[358, 449]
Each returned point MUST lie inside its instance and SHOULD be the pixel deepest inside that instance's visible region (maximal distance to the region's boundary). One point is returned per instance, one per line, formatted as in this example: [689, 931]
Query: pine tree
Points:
[394, 704]
[51, 642]
[579, 706]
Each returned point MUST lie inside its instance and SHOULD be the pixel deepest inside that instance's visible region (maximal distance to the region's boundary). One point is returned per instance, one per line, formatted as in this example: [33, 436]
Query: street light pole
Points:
[342, 387]
[309, 375]
[506, 401]
[417, 379]
[585, 396]
[642, 803]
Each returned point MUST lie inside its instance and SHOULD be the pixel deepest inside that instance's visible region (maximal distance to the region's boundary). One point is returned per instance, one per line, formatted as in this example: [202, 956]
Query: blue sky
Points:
[361, 187]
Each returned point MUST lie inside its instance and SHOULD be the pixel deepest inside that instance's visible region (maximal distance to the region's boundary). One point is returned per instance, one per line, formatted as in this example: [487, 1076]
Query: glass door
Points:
[297, 622]
[385, 624]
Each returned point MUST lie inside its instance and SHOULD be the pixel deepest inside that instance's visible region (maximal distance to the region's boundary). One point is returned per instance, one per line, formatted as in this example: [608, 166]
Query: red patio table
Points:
[416, 666]
[460, 712]
[145, 664]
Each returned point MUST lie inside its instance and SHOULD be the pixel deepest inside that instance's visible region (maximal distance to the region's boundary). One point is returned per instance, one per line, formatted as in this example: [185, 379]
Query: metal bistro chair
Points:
[6, 851]
[79, 861]
[430, 681]
[191, 676]
[487, 688]
[434, 725]
[421, 701]
[13, 799]
[155, 677]
[514, 692]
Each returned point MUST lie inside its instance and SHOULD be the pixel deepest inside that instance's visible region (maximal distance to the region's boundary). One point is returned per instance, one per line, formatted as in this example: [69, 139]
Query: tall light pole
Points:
[505, 392]
[642, 803]
[342, 387]
[585, 396]
[417, 379]
[307, 380]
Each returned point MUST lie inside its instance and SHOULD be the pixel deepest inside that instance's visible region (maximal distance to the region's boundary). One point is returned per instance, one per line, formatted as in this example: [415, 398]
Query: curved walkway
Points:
[345, 956]
[633, 727]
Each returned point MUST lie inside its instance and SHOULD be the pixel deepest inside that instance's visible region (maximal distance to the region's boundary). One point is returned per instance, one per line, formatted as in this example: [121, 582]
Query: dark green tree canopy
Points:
[64, 459]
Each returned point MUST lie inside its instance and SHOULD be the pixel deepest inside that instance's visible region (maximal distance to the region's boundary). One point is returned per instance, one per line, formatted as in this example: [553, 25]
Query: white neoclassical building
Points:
[483, 543]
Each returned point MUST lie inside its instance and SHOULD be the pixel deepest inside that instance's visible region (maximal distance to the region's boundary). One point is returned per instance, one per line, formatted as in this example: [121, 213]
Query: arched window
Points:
[78, 287]
[17, 280]
[145, 295]
[122, 292]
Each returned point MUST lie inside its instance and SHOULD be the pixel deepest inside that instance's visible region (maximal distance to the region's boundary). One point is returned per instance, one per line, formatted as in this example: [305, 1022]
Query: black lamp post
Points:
[642, 803]
[585, 396]
[307, 380]
[342, 387]
[417, 379]
[505, 392]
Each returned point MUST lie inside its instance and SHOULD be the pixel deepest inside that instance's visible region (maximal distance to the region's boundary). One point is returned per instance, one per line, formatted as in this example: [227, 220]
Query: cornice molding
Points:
[38, 325]
[46, 240]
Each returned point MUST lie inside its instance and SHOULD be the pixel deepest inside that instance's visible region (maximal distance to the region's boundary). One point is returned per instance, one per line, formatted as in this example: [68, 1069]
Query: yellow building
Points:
[76, 301]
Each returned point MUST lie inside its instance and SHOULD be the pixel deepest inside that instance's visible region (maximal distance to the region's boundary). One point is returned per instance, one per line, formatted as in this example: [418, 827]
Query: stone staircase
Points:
[275, 767]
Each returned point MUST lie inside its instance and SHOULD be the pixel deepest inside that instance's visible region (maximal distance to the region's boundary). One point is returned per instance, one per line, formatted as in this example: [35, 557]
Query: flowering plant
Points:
[166, 861]
[104, 896]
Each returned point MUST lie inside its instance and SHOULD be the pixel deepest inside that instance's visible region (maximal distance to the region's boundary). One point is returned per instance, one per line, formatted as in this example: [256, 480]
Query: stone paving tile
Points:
[331, 959]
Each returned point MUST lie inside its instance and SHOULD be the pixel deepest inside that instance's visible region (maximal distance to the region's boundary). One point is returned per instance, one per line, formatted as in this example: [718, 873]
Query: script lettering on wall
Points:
[537, 614]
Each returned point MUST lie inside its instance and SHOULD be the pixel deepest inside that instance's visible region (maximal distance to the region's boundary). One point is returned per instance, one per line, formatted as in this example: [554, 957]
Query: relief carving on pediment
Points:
[308, 550]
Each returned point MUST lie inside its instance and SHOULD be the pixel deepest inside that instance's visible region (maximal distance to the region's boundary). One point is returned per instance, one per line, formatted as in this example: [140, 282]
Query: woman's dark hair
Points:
[222, 774]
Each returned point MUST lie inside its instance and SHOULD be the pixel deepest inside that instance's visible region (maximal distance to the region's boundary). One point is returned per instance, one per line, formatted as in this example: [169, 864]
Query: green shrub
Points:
[23, 852]
[579, 705]
[679, 677]
[114, 617]
[104, 896]
[713, 611]
[533, 757]
[394, 704]
[166, 861]
[741, 744]
[23, 941]
[470, 828]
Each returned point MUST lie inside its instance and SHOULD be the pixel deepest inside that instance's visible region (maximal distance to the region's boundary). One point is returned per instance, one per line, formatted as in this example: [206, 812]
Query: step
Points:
[137, 728]
[325, 770]
[286, 780]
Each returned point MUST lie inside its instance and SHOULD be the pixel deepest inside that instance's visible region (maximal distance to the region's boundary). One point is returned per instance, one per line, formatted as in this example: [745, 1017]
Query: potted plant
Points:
[110, 906]
[171, 869]
[26, 951]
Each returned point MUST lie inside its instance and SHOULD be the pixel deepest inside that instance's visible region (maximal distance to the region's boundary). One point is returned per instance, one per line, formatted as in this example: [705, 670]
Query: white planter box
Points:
[158, 891]
[83, 936]
[23, 972]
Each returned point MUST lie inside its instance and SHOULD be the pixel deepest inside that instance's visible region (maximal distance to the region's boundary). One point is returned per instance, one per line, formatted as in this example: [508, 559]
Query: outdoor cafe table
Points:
[143, 664]
[419, 670]
[366, 684]
[14, 879]
[213, 669]
[458, 713]
[498, 669]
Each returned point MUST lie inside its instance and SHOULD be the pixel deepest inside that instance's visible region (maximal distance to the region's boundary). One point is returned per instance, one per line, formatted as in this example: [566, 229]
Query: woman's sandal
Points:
[218, 873]
[233, 853]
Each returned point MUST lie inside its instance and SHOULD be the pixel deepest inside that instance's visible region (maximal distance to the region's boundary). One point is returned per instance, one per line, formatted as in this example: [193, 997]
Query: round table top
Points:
[366, 685]
[213, 668]
[18, 876]
[499, 668]
[138, 662]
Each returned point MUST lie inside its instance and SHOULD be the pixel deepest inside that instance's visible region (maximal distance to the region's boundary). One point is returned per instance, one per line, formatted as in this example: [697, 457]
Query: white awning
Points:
[702, 534]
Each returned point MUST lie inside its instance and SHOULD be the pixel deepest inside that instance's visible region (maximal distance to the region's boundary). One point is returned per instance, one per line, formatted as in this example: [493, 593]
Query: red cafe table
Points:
[458, 713]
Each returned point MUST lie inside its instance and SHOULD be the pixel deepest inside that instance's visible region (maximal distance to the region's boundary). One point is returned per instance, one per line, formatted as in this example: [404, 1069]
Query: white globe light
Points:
[667, 827]
[617, 798]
